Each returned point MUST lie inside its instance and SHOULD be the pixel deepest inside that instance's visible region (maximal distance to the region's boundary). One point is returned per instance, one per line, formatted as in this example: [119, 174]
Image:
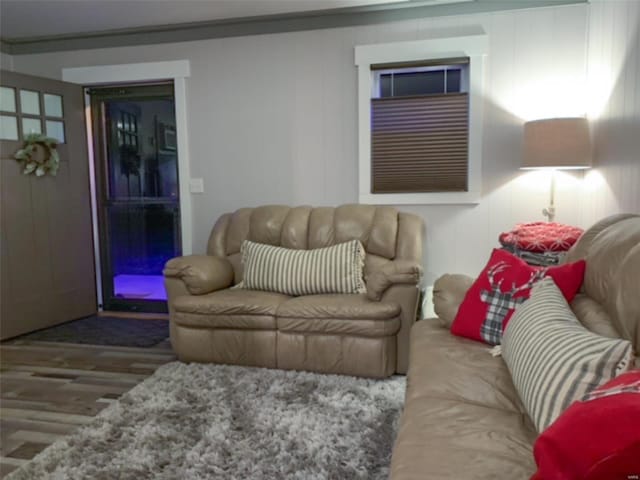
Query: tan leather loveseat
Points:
[463, 418]
[359, 334]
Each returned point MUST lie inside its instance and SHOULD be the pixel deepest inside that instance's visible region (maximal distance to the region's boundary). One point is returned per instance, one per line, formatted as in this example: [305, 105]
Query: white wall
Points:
[273, 119]
[6, 61]
[614, 83]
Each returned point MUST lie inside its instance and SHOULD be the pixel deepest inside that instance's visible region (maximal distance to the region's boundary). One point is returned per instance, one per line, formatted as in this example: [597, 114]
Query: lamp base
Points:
[550, 213]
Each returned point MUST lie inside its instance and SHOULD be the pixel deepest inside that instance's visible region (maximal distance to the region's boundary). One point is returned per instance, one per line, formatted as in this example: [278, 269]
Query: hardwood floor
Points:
[48, 389]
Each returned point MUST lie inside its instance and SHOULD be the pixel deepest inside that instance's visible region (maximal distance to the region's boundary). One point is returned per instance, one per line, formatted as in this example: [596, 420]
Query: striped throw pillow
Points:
[335, 269]
[553, 358]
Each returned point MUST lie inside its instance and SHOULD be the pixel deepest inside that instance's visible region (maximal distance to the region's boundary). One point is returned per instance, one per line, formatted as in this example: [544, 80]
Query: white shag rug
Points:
[197, 422]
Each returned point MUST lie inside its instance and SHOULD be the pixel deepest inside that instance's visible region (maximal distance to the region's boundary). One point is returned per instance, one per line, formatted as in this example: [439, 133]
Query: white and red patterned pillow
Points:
[541, 237]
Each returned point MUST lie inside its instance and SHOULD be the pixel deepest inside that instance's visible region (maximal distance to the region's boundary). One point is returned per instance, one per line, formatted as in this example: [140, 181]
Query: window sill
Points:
[454, 198]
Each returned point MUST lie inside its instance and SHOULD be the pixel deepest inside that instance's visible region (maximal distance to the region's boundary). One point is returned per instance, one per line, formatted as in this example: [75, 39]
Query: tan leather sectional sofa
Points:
[463, 418]
[359, 334]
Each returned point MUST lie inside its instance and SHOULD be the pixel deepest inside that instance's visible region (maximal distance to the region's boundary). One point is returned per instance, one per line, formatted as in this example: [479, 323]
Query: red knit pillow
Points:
[542, 237]
[503, 284]
[596, 438]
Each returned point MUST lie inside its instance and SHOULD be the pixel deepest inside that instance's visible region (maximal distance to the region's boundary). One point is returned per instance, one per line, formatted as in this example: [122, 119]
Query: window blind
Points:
[421, 63]
[420, 143]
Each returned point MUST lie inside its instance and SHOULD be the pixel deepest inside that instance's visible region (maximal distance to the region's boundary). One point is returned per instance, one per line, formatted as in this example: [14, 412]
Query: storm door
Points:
[136, 156]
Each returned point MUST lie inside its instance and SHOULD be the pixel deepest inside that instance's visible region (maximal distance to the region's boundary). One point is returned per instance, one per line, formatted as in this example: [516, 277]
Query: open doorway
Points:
[137, 189]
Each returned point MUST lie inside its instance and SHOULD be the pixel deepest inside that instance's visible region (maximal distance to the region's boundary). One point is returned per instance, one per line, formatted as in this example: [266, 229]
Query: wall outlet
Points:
[196, 185]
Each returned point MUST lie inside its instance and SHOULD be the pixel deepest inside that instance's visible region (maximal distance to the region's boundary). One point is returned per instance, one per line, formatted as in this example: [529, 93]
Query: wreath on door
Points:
[38, 155]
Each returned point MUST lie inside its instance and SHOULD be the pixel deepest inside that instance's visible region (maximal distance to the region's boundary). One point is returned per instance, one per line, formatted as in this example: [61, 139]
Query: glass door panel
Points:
[142, 237]
[138, 192]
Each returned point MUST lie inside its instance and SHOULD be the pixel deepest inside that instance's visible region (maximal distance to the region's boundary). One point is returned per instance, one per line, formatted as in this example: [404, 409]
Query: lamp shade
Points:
[562, 143]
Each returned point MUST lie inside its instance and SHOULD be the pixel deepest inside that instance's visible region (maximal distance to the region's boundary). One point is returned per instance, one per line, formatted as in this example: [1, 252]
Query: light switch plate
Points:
[196, 185]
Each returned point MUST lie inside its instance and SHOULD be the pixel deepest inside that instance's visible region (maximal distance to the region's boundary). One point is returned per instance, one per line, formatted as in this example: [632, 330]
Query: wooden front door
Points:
[47, 261]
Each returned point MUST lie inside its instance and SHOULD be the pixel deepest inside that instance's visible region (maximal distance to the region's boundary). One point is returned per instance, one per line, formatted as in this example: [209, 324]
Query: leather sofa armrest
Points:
[448, 292]
[405, 272]
[200, 273]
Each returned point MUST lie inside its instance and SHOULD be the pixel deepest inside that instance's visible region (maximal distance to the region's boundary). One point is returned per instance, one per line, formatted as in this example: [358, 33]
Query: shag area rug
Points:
[103, 330]
[196, 422]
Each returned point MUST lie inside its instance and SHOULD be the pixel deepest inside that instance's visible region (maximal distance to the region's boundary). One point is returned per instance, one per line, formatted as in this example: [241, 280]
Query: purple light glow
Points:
[141, 287]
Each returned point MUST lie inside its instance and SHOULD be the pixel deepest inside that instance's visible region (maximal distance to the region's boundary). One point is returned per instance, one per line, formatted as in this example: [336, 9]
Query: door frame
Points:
[177, 71]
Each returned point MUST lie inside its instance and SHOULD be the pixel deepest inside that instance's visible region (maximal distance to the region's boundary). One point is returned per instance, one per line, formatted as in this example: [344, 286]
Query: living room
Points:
[271, 105]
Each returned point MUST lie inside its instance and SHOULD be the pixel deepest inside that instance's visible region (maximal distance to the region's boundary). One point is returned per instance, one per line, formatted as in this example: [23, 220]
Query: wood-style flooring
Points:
[49, 389]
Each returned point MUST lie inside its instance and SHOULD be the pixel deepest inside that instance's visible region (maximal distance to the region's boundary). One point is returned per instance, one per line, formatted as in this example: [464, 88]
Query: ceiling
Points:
[22, 19]
[41, 26]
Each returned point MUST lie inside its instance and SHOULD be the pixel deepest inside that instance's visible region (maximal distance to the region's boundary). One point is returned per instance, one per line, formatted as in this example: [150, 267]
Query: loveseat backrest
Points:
[611, 249]
[385, 233]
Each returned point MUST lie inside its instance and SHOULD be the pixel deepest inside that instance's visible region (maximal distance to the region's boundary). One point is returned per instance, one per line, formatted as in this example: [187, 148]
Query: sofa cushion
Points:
[611, 248]
[226, 322]
[231, 302]
[448, 439]
[593, 316]
[335, 305]
[339, 314]
[442, 365]
[462, 417]
[554, 359]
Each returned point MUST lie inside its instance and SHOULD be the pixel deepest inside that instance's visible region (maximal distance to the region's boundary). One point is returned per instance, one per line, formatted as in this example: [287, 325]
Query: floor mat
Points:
[102, 330]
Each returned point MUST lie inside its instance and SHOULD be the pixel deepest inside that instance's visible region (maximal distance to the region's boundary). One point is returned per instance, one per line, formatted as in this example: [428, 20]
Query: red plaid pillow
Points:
[504, 284]
[596, 438]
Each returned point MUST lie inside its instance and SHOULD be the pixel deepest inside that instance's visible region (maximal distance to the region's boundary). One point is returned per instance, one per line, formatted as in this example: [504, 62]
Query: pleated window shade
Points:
[420, 143]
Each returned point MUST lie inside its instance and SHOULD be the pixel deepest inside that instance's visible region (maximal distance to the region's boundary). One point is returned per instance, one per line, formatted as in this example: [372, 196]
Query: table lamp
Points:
[556, 144]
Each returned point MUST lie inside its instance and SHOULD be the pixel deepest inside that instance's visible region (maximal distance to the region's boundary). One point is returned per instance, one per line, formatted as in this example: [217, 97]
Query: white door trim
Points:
[93, 200]
[178, 71]
[128, 72]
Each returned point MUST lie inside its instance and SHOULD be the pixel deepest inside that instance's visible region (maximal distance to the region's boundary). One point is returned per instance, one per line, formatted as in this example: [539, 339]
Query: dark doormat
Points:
[95, 330]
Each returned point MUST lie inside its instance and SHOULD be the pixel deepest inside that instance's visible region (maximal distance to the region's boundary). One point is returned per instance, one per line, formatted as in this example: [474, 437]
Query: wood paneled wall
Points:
[614, 89]
[273, 119]
[6, 61]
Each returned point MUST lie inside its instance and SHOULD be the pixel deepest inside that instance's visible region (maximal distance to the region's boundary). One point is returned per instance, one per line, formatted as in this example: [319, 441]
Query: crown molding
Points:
[270, 24]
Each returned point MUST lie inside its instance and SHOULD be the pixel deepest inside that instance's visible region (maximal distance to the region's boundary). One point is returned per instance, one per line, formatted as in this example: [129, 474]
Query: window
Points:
[127, 131]
[441, 77]
[420, 120]
[23, 114]
[9, 119]
[419, 127]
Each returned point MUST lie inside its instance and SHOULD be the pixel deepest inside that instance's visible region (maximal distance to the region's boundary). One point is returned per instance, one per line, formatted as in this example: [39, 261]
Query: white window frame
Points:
[473, 46]
[176, 70]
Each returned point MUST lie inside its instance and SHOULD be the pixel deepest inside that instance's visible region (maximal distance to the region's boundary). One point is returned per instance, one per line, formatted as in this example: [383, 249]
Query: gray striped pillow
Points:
[336, 269]
[553, 359]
